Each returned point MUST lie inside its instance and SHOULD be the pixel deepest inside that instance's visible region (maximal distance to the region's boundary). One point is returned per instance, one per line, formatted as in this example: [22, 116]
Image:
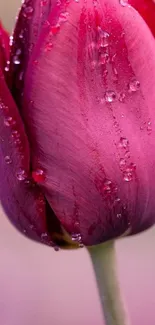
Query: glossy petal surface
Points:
[89, 113]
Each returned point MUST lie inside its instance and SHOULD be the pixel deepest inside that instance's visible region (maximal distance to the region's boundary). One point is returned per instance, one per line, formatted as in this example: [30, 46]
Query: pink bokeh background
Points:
[39, 286]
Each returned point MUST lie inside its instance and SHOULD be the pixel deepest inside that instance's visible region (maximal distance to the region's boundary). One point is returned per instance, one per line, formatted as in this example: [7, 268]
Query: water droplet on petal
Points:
[16, 60]
[110, 96]
[129, 173]
[9, 121]
[15, 134]
[21, 174]
[8, 160]
[124, 143]
[134, 85]
[56, 248]
[39, 175]
[104, 58]
[119, 215]
[44, 235]
[28, 12]
[63, 17]
[121, 97]
[122, 162]
[48, 46]
[77, 238]
[11, 40]
[7, 67]
[149, 128]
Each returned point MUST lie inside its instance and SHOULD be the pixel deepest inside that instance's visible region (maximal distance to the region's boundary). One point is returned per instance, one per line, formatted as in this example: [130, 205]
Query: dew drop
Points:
[121, 97]
[110, 96]
[103, 38]
[15, 134]
[8, 160]
[16, 60]
[7, 67]
[9, 121]
[44, 235]
[149, 128]
[134, 85]
[56, 248]
[76, 237]
[39, 175]
[122, 162]
[102, 33]
[28, 12]
[129, 173]
[104, 58]
[63, 17]
[124, 143]
[21, 174]
[21, 35]
[117, 200]
[119, 215]
[11, 40]
[48, 46]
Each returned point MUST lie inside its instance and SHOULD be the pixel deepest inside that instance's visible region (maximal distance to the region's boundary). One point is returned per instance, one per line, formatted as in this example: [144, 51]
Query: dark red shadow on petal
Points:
[22, 199]
[146, 8]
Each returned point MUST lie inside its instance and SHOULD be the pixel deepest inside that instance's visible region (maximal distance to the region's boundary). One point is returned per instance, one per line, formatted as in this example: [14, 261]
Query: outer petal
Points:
[146, 8]
[4, 47]
[89, 112]
[22, 200]
[30, 23]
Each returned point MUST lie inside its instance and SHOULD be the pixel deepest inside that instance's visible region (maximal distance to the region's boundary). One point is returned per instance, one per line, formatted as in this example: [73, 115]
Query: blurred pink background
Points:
[41, 287]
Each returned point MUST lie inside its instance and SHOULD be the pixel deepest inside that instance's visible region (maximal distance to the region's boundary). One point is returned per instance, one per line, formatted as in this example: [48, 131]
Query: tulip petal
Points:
[146, 8]
[30, 23]
[89, 113]
[4, 47]
[21, 198]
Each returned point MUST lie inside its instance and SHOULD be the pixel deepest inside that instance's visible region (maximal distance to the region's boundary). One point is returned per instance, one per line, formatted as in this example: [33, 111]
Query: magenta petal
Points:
[31, 20]
[146, 8]
[22, 200]
[89, 112]
[4, 48]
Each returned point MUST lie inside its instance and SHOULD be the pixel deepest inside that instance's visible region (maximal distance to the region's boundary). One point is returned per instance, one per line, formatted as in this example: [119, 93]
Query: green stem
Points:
[104, 262]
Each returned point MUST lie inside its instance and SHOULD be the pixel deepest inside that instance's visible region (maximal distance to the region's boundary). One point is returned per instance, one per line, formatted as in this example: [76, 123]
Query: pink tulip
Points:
[77, 121]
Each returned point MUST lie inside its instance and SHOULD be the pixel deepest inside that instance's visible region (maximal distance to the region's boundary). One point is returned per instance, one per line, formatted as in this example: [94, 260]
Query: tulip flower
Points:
[77, 126]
